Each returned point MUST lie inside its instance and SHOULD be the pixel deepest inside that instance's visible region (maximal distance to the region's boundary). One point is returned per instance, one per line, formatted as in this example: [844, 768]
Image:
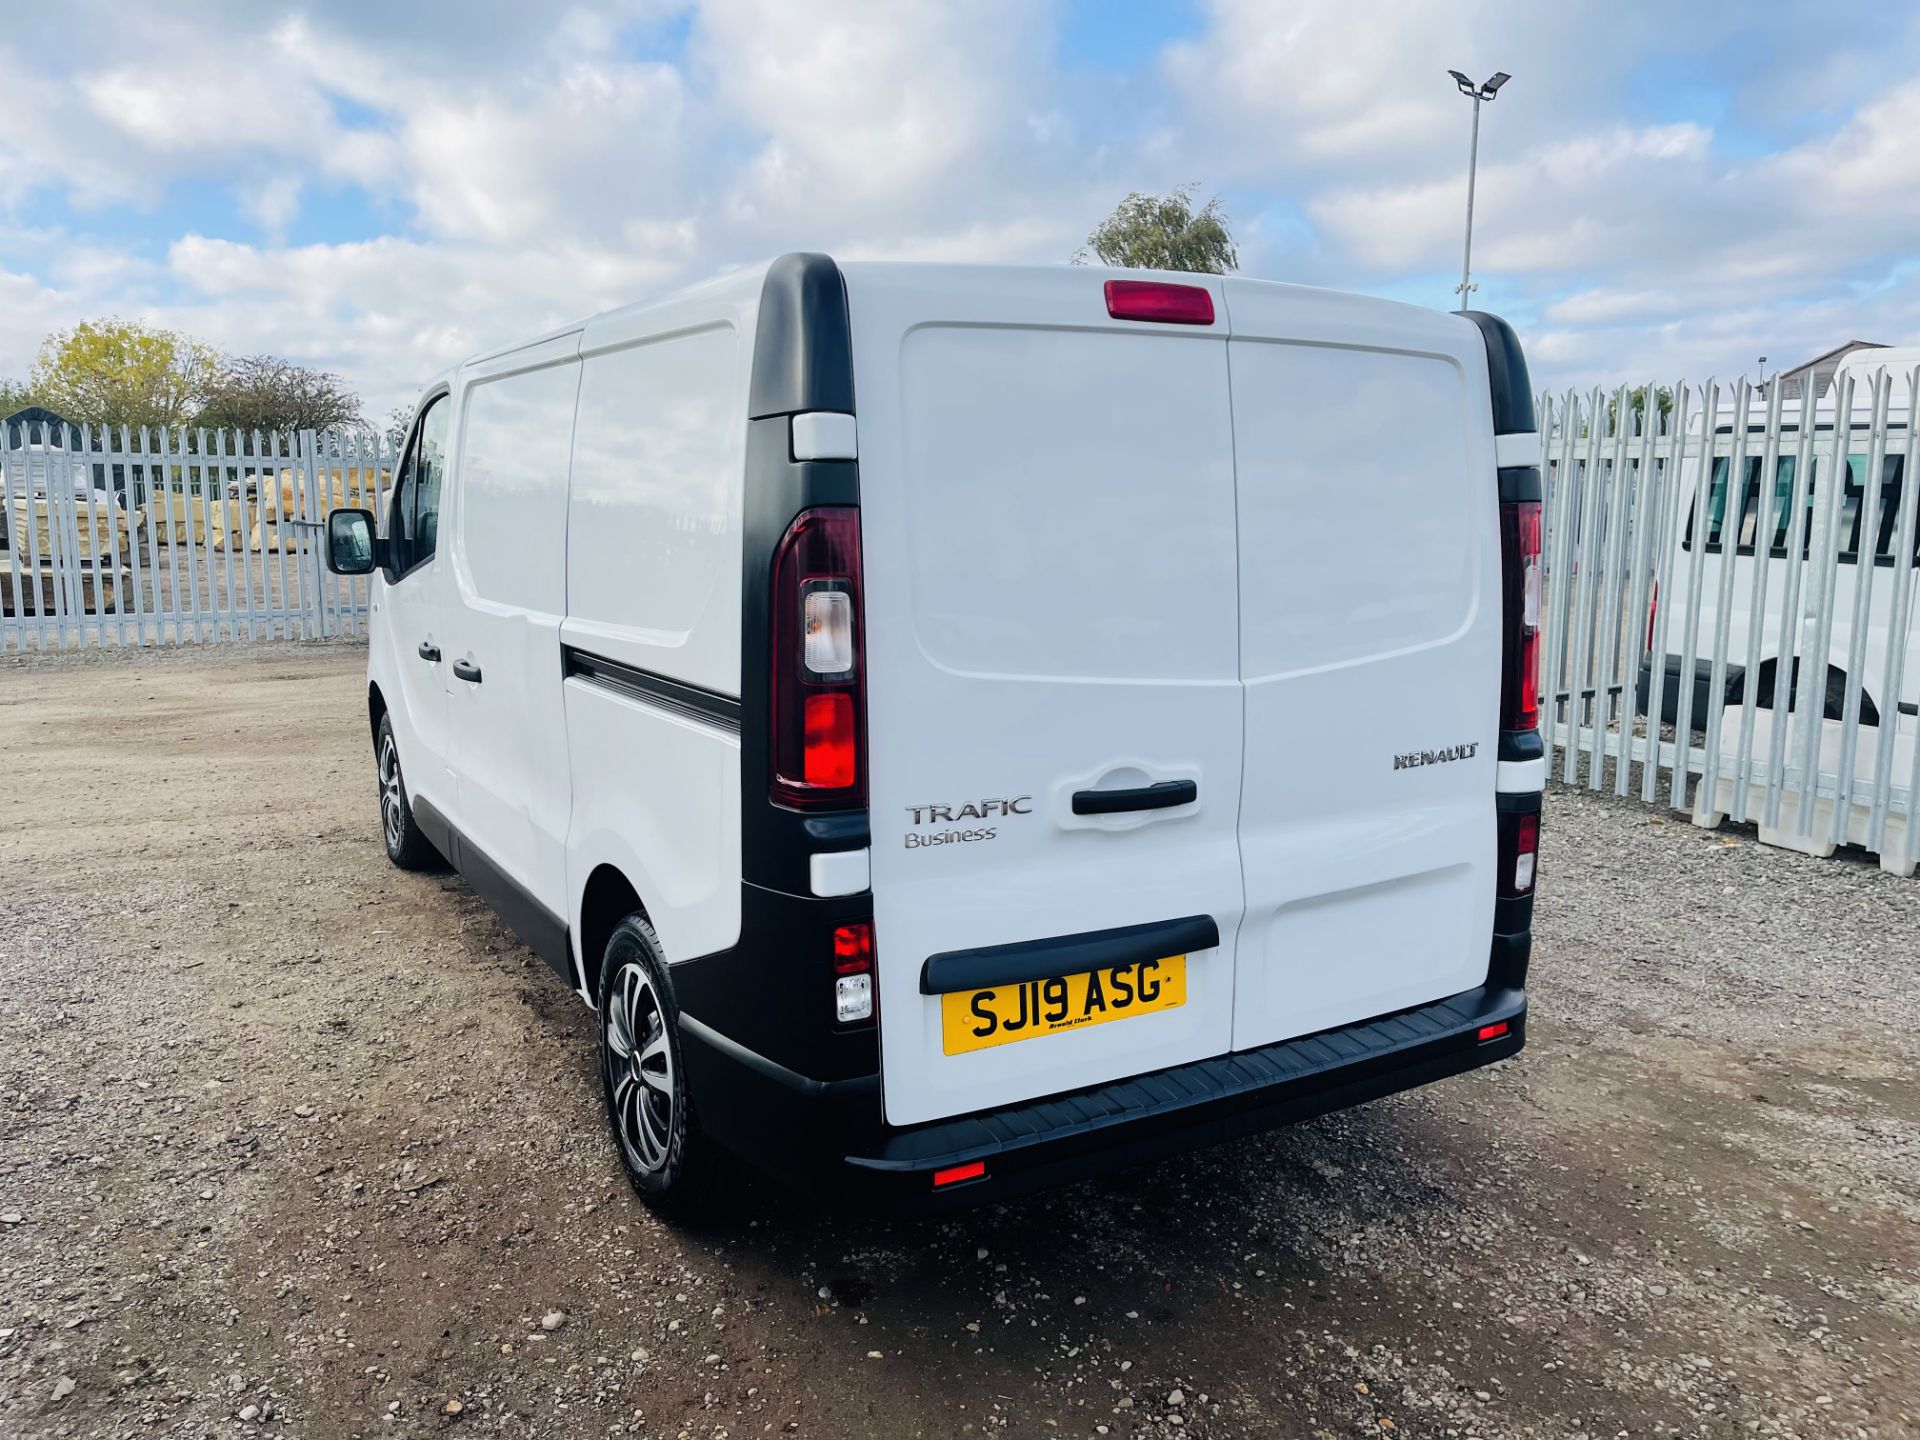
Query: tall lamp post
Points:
[1475, 93]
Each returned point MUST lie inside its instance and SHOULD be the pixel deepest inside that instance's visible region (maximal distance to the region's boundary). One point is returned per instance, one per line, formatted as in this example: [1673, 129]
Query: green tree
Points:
[120, 372]
[268, 394]
[1637, 405]
[1165, 232]
[15, 395]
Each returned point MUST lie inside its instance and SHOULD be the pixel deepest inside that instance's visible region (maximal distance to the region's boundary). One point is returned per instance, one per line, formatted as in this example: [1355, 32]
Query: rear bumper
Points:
[828, 1137]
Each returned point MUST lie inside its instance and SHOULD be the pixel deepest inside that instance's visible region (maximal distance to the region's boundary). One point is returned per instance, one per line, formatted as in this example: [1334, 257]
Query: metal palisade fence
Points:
[1729, 599]
[171, 536]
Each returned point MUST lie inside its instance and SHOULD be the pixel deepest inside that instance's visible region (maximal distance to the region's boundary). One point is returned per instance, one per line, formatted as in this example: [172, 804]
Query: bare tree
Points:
[269, 394]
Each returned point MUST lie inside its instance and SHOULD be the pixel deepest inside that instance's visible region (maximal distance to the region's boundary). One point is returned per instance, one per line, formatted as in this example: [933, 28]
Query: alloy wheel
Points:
[639, 1069]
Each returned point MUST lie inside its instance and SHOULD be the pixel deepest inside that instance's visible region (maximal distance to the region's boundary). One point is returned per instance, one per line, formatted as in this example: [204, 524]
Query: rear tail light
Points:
[1493, 1031]
[819, 741]
[1159, 300]
[1519, 850]
[1520, 576]
[1653, 610]
[853, 973]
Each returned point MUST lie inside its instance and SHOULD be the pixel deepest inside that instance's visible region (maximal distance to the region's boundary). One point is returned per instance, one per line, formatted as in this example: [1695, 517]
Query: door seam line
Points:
[1239, 665]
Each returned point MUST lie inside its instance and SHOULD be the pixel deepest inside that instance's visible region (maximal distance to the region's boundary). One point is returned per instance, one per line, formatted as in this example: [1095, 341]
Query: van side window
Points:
[1747, 519]
[414, 521]
[431, 469]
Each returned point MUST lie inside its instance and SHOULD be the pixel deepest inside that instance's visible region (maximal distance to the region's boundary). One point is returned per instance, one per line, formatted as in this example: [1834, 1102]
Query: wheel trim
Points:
[639, 1069]
[393, 798]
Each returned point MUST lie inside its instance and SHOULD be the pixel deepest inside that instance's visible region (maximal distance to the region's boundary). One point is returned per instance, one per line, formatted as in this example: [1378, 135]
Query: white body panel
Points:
[653, 581]
[1047, 534]
[1369, 587]
[1103, 554]
[505, 510]
[653, 519]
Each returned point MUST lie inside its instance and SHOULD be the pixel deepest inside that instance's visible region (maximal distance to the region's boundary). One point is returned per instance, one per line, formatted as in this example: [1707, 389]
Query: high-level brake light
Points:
[1160, 300]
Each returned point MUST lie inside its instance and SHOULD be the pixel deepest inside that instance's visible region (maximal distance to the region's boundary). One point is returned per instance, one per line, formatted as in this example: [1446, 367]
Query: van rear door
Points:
[1048, 543]
[1370, 646]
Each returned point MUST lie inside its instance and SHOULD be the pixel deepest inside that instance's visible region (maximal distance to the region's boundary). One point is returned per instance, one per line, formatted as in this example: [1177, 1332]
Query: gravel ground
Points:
[294, 1144]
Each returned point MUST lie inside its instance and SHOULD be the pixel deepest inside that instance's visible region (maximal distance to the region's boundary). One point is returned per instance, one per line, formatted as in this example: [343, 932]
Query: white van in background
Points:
[962, 727]
[1866, 524]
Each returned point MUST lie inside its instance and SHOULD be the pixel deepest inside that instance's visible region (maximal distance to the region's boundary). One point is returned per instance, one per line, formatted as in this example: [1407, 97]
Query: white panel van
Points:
[961, 727]
[1861, 628]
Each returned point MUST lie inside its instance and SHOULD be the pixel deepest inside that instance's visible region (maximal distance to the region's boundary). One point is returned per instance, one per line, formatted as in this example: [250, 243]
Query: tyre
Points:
[642, 1076]
[406, 846]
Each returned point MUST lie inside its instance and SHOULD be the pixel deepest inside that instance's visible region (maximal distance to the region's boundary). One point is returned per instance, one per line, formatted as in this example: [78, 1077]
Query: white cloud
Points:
[513, 167]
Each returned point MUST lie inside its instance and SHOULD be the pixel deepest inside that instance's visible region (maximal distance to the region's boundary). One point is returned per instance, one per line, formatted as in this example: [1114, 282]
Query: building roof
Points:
[1833, 354]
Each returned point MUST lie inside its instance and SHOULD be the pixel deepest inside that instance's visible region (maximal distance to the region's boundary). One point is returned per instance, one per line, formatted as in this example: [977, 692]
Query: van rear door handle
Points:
[1163, 796]
[466, 670]
[429, 651]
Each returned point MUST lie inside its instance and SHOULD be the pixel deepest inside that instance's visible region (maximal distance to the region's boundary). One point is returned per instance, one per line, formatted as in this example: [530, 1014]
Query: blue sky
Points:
[379, 189]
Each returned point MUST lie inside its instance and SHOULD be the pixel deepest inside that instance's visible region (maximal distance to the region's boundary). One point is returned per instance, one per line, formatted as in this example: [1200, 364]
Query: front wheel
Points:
[641, 1074]
[406, 846]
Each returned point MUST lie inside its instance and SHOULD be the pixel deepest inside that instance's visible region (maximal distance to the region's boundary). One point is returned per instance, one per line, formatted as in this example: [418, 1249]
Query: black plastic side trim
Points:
[803, 347]
[1507, 964]
[543, 932]
[772, 992]
[1522, 745]
[954, 970]
[1506, 374]
[1162, 796]
[1520, 483]
[434, 826]
[660, 691]
[802, 1085]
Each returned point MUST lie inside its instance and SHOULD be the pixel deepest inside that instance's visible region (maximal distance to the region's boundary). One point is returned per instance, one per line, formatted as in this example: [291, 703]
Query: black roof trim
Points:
[1506, 374]
[803, 352]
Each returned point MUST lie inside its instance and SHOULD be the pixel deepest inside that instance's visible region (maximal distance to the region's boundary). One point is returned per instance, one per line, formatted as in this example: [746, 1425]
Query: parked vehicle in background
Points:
[962, 727]
[1780, 521]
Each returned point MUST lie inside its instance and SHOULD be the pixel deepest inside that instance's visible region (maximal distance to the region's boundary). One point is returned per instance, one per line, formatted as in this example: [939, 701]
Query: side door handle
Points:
[1163, 796]
[466, 670]
[429, 651]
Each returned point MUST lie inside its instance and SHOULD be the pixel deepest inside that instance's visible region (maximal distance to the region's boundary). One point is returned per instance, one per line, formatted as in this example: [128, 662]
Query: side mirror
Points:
[352, 546]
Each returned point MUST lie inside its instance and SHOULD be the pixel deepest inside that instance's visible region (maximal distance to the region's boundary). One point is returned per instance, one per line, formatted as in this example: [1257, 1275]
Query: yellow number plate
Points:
[979, 1019]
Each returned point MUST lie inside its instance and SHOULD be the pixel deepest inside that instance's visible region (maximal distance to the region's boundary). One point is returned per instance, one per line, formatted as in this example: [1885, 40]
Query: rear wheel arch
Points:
[1767, 677]
[607, 898]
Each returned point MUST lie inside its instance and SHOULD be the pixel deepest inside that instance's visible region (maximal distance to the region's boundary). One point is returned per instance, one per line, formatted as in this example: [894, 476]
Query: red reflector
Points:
[853, 948]
[954, 1174]
[1493, 1032]
[829, 756]
[1158, 300]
